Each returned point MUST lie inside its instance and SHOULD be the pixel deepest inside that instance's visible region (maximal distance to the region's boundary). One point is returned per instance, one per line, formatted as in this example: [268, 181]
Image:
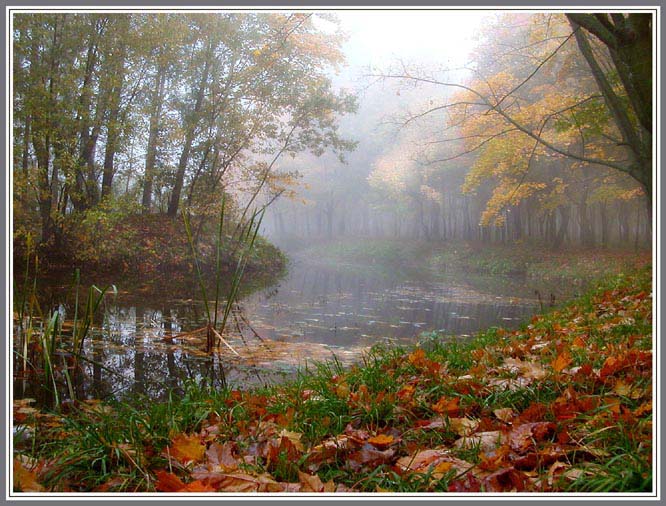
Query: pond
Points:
[149, 341]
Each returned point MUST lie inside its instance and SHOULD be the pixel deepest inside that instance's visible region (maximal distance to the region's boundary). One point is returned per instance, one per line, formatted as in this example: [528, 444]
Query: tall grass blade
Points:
[217, 259]
[190, 240]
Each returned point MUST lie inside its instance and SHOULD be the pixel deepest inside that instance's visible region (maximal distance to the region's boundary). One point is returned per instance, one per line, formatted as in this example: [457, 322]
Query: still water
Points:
[148, 344]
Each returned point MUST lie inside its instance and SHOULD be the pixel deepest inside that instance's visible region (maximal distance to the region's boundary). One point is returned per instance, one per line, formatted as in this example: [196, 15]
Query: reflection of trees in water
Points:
[134, 353]
[348, 304]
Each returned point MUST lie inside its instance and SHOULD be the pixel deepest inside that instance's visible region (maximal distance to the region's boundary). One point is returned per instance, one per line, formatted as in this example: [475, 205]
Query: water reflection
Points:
[340, 307]
[148, 345]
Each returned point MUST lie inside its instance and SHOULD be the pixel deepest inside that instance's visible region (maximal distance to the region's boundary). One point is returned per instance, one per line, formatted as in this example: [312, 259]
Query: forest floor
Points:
[564, 404]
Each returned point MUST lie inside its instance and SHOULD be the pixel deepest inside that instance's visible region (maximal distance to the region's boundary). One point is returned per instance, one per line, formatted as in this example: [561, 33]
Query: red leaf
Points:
[504, 480]
[524, 437]
[467, 484]
[197, 486]
[167, 482]
[447, 406]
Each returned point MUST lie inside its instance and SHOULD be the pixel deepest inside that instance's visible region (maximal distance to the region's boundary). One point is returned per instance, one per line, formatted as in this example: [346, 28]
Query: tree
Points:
[175, 102]
[629, 48]
[628, 39]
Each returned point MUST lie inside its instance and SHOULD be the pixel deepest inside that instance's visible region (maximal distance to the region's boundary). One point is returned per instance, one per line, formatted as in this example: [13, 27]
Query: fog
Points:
[392, 184]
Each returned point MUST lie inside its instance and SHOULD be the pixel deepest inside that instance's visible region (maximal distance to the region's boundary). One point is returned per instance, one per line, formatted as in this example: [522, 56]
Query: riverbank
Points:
[562, 404]
[143, 248]
[577, 266]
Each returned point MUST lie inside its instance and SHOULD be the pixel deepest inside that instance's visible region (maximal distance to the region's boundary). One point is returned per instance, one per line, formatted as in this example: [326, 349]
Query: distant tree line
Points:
[537, 143]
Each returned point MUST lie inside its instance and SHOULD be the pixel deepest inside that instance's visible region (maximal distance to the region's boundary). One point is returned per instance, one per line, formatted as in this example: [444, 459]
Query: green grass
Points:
[124, 443]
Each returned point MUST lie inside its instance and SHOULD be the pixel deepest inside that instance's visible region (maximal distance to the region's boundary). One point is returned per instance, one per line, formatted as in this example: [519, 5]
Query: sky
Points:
[380, 38]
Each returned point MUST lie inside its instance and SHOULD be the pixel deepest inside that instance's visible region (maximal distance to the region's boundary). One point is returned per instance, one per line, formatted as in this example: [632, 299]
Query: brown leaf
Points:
[505, 414]
[278, 447]
[242, 482]
[167, 482]
[25, 479]
[578, 342]
[525, 436]
[328, 451]
[197, 486]
[381, 440]
[469, 483]
[439, 460]
[110, 485]
[417, 358]
[562, 361]
[447, 406]
[504, 480]
[527, 369]
[463, 426]
[220, 457]
[369, 456]
[294, 437]
[484, 441]
[187, 448]
[310, 482]
[539, 459]
[643, 409]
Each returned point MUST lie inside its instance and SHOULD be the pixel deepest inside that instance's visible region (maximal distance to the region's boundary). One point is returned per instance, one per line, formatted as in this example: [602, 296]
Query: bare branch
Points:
[465, 137]
[510, 119]
[472, 150]
[438, 108]
[551, 55]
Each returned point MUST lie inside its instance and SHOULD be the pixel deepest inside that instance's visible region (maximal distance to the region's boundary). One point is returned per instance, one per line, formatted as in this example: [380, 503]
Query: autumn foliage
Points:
[563, 404]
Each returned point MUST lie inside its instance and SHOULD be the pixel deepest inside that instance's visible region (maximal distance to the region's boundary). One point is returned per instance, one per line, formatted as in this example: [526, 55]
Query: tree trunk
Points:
[562, 231]
[157, 102]
[174, 201]
[113, 126]
[629, 41]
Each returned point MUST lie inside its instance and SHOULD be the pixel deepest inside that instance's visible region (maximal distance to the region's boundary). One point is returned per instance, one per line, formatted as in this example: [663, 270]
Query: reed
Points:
[45, 351]
[244, 243]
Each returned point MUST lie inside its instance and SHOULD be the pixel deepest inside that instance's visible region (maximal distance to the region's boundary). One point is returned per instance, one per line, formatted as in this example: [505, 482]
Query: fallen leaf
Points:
[220, 457]
[187, 449]
[368, 456]
[381, 440]
[468, 483]
[484, 441]
[504, 480]
[197, 486]
[448, 406]
[439, 460]
[242, 482]
[463, 426]
[578, 342]
[643, 409]
[310, 482]
[294, 437]
[167, 482]
[528, 369]
[561, 362]
[25, 479]
[406, 392]
[525, 436]
[504, 414]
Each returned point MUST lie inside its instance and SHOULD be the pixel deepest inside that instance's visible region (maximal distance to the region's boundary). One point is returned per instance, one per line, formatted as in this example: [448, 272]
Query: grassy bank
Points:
[144, 247]
[563, 404]
[578, 266]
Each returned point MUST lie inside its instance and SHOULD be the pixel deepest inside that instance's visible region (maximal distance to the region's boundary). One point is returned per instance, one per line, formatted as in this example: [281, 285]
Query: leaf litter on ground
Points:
[535, 409]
